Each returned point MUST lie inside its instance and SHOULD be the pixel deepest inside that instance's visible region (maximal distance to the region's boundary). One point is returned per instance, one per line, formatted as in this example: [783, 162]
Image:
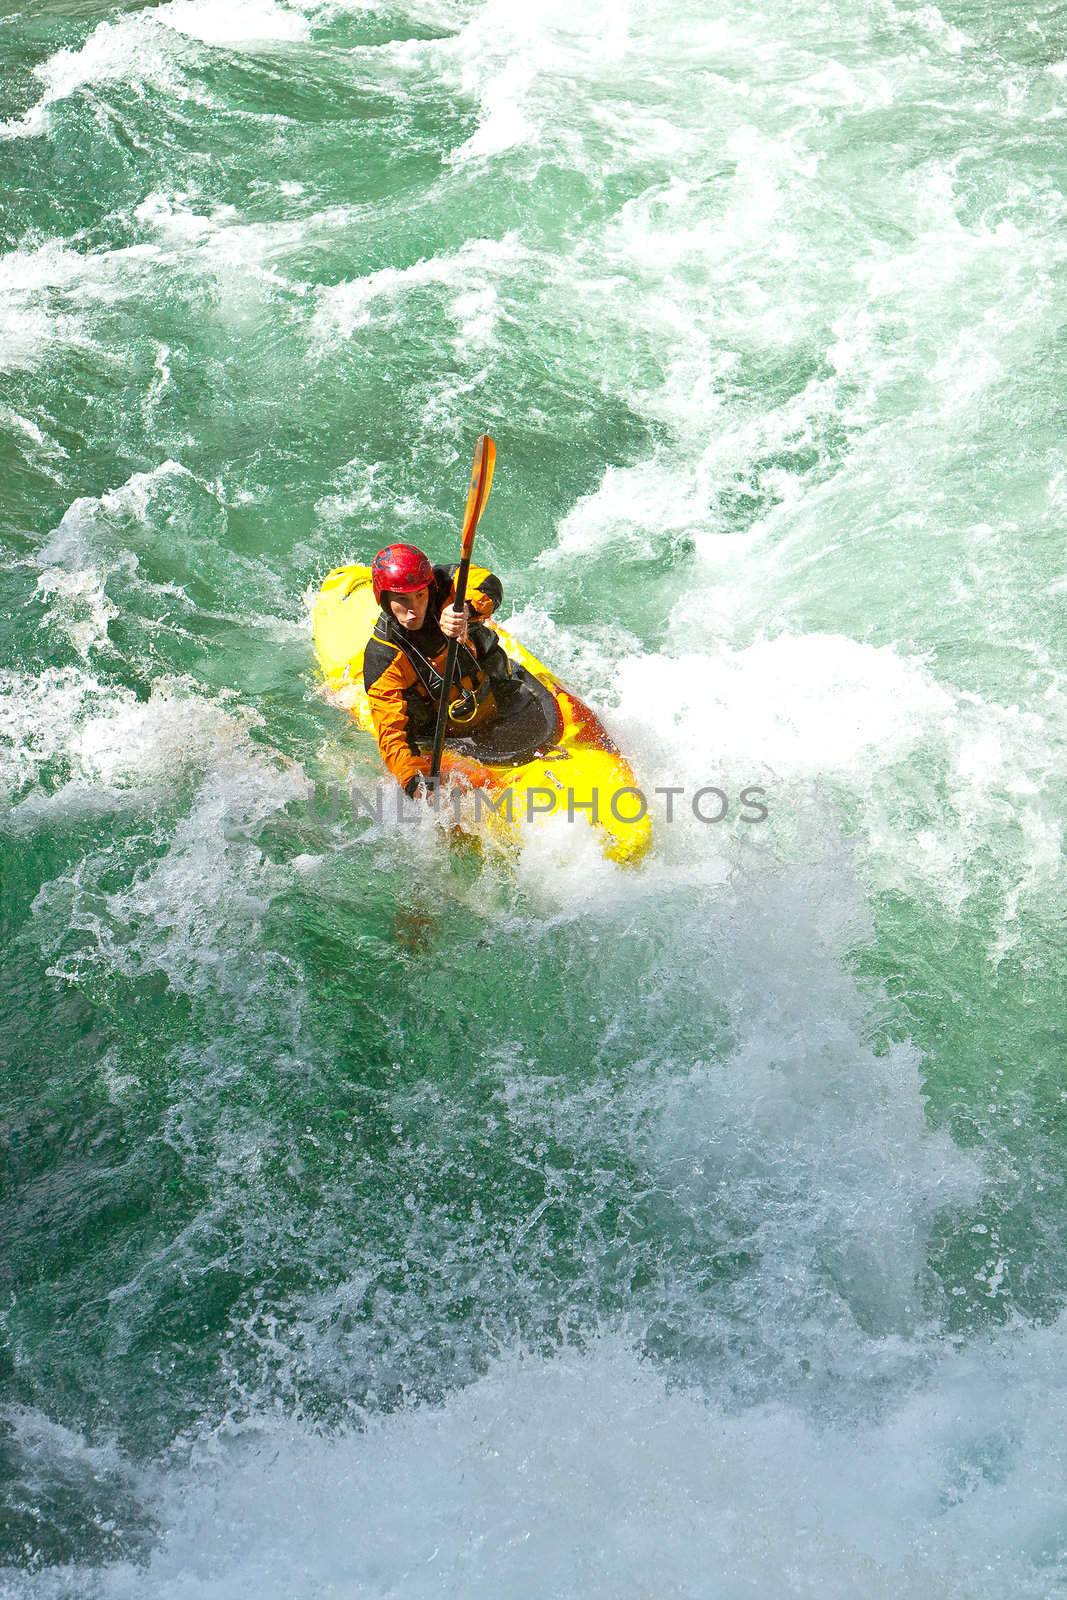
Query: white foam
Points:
[931, 23]
[174, 734]
[471, 279]
[830, 728]
[628, 515]
[236, 22]
[132, 50]
[215, 235]
[538, 72]
[174, 218]
[44, 444]
[189, 910]
[38, 714]
[50, 294]
[145, 49]
[106, 740]
[817, 718]
[28, 324]
[588, 1475]
[81, 557]
[204, 891]
[80, 605]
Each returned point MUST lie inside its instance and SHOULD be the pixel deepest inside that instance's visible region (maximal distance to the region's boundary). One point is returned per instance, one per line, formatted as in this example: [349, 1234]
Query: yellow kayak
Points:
[546, 755]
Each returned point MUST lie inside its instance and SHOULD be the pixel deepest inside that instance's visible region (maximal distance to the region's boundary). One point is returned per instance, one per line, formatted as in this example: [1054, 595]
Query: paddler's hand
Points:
[454, 623]
[459, 770]
[423, 787]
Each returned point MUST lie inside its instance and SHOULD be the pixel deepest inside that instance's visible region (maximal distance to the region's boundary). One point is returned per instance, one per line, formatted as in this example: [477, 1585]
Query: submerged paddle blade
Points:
[478, 494]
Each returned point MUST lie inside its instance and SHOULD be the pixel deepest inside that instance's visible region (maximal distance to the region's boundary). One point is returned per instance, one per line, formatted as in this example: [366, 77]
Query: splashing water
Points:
[386, 1220]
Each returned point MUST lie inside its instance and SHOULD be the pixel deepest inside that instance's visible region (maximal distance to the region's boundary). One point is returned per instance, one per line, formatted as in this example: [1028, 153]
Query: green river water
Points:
[382, 1219]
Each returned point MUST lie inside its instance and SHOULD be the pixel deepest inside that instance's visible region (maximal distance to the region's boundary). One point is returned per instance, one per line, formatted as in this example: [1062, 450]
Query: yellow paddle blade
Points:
[478, 494]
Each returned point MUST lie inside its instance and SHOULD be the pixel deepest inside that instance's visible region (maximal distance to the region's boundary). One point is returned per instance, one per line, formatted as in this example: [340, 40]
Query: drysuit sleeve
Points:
[388, 677]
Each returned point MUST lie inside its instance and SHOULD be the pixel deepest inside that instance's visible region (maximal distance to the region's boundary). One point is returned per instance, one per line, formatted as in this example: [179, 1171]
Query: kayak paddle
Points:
[477, 495]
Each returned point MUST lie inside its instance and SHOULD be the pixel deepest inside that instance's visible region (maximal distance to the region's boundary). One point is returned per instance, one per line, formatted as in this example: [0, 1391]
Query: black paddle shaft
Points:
[459, 602]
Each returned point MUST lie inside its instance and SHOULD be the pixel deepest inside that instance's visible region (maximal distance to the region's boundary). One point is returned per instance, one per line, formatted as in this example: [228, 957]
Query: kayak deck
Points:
[529, 721]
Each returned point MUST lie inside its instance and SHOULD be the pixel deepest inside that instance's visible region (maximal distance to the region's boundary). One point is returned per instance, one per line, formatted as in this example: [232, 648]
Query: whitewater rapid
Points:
[388, 1224]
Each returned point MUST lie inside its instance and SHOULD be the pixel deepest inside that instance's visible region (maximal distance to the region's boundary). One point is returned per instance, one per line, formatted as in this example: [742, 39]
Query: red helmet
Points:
[399, 567]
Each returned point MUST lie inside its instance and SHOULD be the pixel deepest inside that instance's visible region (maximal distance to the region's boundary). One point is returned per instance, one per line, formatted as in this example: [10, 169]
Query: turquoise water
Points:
[380, 1219]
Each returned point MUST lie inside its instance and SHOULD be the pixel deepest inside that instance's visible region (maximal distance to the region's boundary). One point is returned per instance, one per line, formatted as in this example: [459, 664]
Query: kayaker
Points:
[405, 655]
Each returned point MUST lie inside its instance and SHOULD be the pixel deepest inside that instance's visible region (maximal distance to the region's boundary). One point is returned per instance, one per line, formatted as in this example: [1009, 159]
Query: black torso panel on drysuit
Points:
[402, 671]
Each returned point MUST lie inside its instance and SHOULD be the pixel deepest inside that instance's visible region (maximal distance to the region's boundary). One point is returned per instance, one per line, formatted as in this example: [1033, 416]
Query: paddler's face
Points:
[410, 609]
